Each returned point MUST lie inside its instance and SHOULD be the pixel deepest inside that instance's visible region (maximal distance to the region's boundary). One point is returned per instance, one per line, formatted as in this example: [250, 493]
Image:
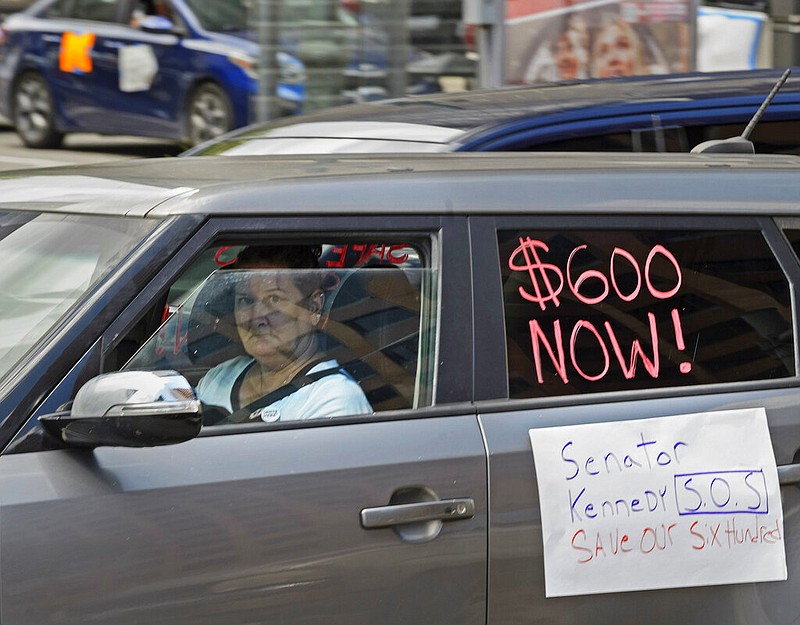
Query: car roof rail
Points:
[742, 143]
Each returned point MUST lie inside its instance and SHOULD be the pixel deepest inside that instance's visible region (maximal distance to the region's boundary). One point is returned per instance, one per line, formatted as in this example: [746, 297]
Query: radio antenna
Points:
[742, 143]
[767, 101]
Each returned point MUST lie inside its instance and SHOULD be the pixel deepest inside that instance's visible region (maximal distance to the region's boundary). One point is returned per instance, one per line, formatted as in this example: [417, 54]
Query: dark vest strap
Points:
[303, 378]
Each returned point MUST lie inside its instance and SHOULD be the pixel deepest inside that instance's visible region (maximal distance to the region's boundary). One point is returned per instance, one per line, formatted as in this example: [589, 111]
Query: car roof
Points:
[484, 115]
[398, 184]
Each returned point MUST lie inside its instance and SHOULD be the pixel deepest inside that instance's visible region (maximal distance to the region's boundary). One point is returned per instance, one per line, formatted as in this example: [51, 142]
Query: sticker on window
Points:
[137, 68]
[75, 55]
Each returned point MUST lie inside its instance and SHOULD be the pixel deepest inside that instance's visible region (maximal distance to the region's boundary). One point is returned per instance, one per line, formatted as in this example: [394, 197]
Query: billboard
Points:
[555, 40]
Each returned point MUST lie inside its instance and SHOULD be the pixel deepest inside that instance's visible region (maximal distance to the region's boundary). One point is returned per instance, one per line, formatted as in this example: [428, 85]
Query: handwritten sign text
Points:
[665, 502]
[551, 341]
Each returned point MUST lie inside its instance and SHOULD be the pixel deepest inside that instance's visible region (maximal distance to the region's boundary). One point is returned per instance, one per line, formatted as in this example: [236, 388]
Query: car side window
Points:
[95, 10]
[793, 236]
[611, 310]
[279, 332]
[56, 9]
[152, 8]
[769, 137]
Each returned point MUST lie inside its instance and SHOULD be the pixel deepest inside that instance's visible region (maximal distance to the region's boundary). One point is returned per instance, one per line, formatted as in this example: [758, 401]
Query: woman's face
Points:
[274, 318]
[614, 53]
[570, 56]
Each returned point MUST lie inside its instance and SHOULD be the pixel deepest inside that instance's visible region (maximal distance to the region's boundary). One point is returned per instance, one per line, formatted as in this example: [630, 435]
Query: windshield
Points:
[49, 262]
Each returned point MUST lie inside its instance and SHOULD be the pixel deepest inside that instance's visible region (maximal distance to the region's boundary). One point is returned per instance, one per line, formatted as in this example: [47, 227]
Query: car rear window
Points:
[592, 311]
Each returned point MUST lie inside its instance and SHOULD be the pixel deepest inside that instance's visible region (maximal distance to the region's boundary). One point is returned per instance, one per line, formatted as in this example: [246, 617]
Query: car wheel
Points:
[209, 113]
[34, 112]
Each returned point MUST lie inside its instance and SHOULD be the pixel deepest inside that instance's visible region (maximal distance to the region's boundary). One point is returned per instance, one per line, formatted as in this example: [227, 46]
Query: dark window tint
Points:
[57, 9]
[768, 137]
[794, 240]
[95, 10]
[591, 311]
[220, 15]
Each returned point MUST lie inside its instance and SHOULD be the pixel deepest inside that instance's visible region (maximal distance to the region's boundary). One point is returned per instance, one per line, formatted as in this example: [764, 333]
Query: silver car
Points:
[564, 390]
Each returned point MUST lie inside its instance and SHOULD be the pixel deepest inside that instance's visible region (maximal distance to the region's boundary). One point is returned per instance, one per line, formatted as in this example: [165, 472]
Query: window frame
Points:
[447, 235]
[490, 343]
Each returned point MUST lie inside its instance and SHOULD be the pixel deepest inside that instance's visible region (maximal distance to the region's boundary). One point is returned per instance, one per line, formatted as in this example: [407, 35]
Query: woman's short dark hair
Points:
[289, 256]
[285, 257]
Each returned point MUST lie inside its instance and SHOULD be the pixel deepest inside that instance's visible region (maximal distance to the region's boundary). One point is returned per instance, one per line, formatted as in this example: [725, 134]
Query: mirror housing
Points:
[129, 409]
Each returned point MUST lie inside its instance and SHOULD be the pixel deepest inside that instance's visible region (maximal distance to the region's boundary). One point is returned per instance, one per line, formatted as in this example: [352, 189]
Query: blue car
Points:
[178, 69]
[629, 114]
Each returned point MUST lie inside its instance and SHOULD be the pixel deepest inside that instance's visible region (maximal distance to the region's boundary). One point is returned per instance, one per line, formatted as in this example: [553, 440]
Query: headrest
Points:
[212, 336]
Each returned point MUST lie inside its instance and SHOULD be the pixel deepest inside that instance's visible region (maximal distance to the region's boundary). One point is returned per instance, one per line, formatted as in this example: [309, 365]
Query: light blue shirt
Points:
[334, 395]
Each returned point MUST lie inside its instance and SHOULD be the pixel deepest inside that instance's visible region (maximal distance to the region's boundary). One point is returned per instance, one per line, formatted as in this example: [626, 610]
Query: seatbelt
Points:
[253, 412]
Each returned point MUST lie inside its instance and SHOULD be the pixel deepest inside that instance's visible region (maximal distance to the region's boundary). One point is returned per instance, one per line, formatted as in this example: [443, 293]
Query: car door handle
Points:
[401, 514]
[789, 474]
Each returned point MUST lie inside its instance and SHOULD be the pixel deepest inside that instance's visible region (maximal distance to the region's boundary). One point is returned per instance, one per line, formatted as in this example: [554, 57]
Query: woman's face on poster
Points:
[615, 52]
[570, 56]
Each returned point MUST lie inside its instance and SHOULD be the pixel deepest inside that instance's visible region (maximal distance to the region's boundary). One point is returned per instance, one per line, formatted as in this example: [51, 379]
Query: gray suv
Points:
[505, 389]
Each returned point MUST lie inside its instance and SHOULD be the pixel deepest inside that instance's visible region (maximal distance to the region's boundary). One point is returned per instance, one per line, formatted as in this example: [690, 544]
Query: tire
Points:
[34, 112]
[208, 113]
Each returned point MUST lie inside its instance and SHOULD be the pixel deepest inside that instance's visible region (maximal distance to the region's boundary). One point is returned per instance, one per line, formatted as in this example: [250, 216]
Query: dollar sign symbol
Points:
[533, 265]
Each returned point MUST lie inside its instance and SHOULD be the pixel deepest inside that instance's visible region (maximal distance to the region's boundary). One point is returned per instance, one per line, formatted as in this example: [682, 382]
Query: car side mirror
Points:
[129, 409]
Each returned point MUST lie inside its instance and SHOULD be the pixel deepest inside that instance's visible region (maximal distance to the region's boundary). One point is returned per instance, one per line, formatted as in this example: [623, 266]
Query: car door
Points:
[304, 522]
[147, 75]
[80, 62]
[588, 369]
[110, 76]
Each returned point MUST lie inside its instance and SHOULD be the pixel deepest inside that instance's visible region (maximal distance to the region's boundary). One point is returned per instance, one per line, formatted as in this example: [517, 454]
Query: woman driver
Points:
[277, 315]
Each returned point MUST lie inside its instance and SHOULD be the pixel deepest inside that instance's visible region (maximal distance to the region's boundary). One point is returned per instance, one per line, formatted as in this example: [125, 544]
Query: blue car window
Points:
[221, 15]
[95, 10]
[57, 9]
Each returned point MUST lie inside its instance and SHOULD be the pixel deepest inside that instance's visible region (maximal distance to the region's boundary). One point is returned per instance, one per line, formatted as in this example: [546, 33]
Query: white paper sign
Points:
[138, 67]
[687, 500]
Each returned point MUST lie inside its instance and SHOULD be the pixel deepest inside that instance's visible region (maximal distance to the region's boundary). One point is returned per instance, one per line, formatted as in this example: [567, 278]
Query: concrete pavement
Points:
[78, 148]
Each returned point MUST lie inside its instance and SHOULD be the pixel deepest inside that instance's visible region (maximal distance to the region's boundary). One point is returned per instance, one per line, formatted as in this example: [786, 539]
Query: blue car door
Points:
[144, 75]
[109, 76]
[80, 65]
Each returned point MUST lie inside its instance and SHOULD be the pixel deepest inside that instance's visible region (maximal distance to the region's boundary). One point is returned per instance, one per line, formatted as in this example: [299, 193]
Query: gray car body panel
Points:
[517, 589]
[420, 184]
[255, 527]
